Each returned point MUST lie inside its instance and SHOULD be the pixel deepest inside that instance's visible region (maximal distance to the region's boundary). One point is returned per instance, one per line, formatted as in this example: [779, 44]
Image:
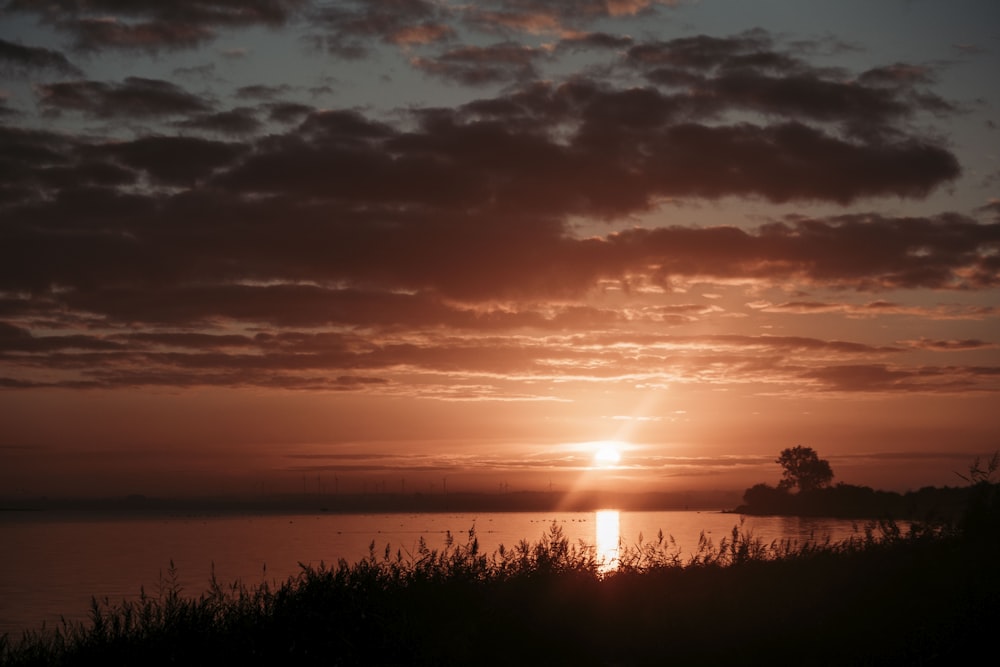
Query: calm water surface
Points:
[51, 564]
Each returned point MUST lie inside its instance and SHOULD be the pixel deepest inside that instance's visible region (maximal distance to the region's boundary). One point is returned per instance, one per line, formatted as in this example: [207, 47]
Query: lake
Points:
[52, 563]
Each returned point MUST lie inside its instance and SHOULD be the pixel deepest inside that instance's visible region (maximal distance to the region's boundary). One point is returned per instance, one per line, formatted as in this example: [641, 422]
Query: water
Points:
[51, 563]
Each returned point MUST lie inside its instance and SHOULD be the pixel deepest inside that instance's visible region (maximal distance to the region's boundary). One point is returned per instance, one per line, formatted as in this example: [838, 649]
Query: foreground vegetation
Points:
[930, 596]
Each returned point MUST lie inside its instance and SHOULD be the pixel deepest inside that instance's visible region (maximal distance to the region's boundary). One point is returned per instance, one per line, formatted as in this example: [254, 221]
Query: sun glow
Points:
[607, 453]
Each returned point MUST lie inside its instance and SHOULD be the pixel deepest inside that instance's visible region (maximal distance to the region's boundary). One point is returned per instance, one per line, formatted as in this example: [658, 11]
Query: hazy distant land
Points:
[515, 501]
[840, 501]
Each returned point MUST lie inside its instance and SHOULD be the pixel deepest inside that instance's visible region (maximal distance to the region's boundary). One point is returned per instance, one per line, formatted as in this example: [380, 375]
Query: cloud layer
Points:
[524, 234]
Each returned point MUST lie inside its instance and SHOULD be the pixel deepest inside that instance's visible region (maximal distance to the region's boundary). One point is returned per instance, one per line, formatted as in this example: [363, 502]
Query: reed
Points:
[885, 597]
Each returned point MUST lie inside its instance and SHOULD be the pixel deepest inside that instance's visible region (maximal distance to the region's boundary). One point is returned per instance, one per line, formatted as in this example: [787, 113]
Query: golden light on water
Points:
[607, 539]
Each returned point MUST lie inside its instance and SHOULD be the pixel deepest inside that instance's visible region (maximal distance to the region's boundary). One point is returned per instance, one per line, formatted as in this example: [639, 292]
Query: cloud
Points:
[176, 161]
[426, 33]
[37, 161]
[615, 152]
[951, 345]
[18, 339]
[287, 112]
[135, 97]
[349, 27]
[21, 60]
[465, 366]
[595, 40]
[480, 65]
[749, 72]
[874, 309]
[472, 203]
[561, 16]
[262, 92]
[864, 252]
[496, 248]
[500, 21]
[881, 378]
[240, 121]
[148, 25]
[95, 34]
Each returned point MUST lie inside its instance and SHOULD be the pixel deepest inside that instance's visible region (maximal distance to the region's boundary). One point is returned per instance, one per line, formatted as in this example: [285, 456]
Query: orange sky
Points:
[246, 250]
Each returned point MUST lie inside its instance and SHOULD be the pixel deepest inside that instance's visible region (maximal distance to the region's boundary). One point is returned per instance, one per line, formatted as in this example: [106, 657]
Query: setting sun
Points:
[607, 454]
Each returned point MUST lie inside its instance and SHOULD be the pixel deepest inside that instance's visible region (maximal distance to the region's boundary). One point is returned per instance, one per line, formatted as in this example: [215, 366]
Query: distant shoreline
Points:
[524, 501]
[840, 502]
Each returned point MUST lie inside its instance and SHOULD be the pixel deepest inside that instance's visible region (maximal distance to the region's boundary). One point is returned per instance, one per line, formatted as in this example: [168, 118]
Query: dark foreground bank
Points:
[928, 597]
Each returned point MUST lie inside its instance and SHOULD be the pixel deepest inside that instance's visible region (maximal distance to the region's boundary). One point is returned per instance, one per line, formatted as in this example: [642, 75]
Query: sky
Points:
[428, 245]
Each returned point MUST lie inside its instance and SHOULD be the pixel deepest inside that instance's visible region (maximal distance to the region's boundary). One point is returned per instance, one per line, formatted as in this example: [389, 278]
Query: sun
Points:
[607, 453]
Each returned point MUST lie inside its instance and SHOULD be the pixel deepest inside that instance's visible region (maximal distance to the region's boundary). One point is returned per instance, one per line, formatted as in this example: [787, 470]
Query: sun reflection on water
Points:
[607, 539]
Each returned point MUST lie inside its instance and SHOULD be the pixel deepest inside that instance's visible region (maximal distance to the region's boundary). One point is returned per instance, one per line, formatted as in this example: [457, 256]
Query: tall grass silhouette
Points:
[883, 597]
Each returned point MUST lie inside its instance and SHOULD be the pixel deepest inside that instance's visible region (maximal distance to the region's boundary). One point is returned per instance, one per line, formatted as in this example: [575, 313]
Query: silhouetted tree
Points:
[763, 498]
[804, 469]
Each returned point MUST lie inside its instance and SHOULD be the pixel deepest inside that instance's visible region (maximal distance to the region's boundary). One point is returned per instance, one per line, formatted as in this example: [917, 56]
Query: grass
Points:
[925, 597]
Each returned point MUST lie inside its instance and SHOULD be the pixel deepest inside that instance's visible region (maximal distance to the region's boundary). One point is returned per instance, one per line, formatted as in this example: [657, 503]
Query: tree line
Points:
[806, 489]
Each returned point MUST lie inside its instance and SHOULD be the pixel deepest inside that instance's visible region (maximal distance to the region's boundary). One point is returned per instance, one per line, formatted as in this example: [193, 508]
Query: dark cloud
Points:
[95, 34]
[279, 305]
[628, 148]
[149, 25]
[867, 252]
[17, 339]
[952, 345]
[540, 16]
[704, 53]
[880, 378]
[86, 173]
[595, 40]
[34, 163]
[794, 161]
[897, 75]
[34, 148]
[135, 97]
[19, 59]
[240, 121]
[349, 27]
[749, 72]
[346, 249]
[262, 92]
[481, 65]
[212, 239]
[473, 202]
[181, 161]
[287, 112]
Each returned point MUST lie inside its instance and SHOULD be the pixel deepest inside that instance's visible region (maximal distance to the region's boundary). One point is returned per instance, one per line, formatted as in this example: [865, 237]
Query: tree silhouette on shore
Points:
[803, 469]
